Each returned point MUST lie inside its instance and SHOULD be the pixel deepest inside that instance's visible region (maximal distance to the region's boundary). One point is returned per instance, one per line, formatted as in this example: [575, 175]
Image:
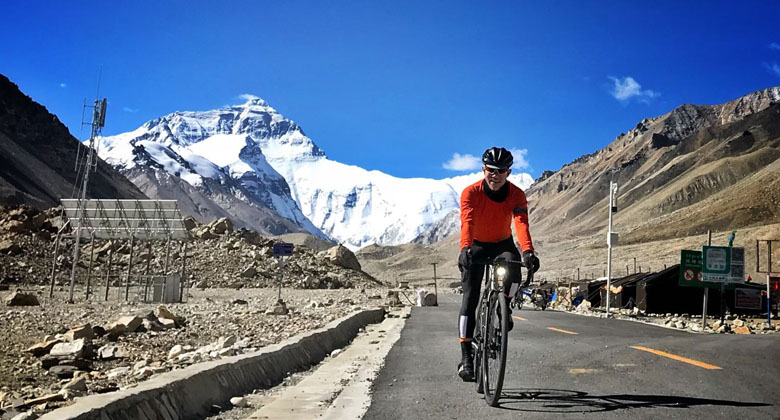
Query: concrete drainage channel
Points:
[193, 392]
[337, 388]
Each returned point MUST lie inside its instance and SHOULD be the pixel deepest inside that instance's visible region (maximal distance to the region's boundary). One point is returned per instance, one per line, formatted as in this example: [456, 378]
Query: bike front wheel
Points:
[494, 345]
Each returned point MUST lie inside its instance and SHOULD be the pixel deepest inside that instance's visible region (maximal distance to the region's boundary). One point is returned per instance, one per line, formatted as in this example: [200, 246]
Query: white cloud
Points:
[248, 96]
[627, 88]
[774, 46]
[462, 163]
[773, 68]
[520, 161]
[470, 163]
[63, 85]
[130, 110]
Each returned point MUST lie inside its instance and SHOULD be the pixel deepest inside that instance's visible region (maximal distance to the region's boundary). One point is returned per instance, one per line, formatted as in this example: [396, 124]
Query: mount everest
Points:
[251, 164]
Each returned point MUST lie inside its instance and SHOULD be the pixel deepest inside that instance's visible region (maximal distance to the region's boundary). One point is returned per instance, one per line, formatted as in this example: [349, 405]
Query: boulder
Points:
[120, 371]
[21, 299]
[742, 330]
[189, 223]
[110, 352]
[238, 402]
[204, 233]
[175, 351]
[125, 324]
[222, 226]
[42, 348]
[76, 348]
[82, 331]
[342, 256]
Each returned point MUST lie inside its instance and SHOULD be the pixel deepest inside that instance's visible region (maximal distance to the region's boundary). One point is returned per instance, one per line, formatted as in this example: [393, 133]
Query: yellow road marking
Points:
[676, 357]
[519, 318]
[576, 371]
[563, 331]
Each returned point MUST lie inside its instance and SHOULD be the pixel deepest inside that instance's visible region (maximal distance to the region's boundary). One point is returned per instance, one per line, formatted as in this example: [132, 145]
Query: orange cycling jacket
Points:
[485, 220]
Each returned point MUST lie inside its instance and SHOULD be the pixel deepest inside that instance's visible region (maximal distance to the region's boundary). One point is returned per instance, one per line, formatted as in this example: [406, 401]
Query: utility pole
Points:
[435, 287]
[611, 236]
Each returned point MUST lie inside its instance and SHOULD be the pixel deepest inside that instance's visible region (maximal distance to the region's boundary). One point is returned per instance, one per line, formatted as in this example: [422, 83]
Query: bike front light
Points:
[500, 273]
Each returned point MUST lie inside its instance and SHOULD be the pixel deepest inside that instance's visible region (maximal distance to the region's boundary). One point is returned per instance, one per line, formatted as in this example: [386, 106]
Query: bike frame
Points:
[490, 287]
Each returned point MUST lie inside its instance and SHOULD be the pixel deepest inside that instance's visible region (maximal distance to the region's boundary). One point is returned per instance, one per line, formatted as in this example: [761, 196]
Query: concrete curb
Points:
[190, 392]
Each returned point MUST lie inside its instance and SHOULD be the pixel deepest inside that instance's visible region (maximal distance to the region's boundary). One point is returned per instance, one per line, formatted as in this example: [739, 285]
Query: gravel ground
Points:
[209, 315]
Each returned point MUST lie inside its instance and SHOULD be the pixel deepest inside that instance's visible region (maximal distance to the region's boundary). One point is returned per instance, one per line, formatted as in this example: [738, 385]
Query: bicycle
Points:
[490, 336]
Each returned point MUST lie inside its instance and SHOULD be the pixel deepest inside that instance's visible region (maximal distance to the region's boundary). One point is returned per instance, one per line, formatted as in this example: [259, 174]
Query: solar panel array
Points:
[125, 219]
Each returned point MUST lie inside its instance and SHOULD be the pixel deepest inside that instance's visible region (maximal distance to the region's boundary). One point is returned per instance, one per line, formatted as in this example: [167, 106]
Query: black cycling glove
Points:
[530, 261]
[464, 259]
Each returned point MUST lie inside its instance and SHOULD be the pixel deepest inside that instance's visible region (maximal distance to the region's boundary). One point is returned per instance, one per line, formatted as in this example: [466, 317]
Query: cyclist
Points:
[487, 210]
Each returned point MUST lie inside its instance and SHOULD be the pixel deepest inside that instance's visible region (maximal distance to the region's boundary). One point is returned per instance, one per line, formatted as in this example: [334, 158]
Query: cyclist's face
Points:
[494, 178]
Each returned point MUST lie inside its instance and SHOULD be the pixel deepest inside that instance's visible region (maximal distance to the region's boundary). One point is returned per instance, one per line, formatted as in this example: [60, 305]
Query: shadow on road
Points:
[562, 401]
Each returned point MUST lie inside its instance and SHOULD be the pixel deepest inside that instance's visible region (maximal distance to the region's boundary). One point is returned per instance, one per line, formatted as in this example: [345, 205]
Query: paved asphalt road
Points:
[593, 374]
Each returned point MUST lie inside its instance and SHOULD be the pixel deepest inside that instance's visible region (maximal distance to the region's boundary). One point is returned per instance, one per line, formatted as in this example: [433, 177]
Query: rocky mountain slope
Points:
[692, 169]
[38, 155]
[246, 159]
[696, 168]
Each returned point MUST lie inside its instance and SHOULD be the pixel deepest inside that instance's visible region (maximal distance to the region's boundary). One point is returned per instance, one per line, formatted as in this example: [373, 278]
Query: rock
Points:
[167, 324]
[240, 302]
[82, 331]
[76, 384]
[42, 348]
[110, 352]
[738, 323]
[75, 349]
[204, 233]
[222, 226]
[238, 402]
[225, 342]
[336, 352]
[21, 299]
[742, 330]
[152, 325]
[680, 324]
[189, 222]
[175, 351]
[10, 248]
[342, 256]
[249, 272]
[63, 371]
[279, 309]
[695, 328]
[125, 324]
[584, 306]
[120, 371]
[721, 330]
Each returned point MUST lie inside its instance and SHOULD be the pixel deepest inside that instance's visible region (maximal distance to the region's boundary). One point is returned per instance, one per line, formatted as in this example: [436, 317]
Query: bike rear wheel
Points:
[494, 345]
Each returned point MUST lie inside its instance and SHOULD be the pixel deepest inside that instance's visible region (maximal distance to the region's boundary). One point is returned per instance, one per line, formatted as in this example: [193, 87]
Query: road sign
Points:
[283, 249]
[690, 270]
[723, 264]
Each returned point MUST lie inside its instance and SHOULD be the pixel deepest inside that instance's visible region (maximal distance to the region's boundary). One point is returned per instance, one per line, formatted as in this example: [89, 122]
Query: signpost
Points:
[282, 251]
[747, 298]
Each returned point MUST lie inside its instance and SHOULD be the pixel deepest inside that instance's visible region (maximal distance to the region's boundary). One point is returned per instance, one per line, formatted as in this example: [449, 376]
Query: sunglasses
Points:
[495, 171]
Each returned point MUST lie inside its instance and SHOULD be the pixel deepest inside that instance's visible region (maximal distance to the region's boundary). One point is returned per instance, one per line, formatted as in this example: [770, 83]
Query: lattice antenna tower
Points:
[96, 128]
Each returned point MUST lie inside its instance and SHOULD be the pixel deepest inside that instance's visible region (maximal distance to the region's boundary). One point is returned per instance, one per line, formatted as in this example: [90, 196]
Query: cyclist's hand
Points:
[530, 261]
[464, 259]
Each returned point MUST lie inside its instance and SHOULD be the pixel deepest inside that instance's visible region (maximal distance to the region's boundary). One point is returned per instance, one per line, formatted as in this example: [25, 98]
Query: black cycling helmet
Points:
[498, 158]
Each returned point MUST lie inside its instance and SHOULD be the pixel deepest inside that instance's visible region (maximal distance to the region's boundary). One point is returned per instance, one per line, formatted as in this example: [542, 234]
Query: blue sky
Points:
[409, 88]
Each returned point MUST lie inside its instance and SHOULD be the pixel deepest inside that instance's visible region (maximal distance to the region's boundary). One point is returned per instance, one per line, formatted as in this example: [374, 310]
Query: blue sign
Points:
[283, 249]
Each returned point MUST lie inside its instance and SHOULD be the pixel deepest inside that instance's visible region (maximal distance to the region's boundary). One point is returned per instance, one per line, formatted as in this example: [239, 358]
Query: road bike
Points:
[490, 337]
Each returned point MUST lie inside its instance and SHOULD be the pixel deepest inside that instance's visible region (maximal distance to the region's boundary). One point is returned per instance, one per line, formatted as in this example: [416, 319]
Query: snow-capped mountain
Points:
[266, 161]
